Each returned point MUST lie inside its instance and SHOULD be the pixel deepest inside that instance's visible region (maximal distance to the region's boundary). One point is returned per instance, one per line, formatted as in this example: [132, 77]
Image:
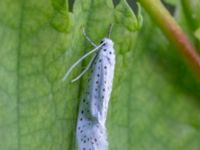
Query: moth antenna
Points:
[81, 59]
[110, 30]
[87, 37]
[86, 69]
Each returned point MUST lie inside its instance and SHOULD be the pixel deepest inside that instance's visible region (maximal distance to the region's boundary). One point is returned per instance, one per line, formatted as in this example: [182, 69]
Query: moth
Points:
[91, 130]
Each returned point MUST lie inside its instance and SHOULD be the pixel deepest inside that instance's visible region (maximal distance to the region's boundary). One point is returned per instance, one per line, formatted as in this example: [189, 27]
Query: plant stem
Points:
[173, 32]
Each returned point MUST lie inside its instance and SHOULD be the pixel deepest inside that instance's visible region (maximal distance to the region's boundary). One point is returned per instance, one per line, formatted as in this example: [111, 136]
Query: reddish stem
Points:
[173, 32]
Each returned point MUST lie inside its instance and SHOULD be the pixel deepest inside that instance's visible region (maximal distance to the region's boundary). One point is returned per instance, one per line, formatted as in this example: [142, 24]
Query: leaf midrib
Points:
[22, 5]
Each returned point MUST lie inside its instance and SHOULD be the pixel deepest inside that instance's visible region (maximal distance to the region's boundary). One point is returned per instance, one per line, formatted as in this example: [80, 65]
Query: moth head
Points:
[107, 42]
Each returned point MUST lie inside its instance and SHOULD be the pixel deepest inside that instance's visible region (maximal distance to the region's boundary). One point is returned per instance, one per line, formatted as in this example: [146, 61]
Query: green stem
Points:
[173, 32]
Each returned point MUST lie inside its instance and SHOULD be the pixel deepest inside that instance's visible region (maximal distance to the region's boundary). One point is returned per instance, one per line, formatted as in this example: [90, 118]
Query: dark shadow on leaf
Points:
[71, 4]
[171, 8]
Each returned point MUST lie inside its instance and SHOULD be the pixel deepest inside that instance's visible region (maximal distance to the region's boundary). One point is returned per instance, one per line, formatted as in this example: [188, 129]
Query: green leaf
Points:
[125, 16]
[197, 33]
[173, 2]
[190, 13]
[155, 99]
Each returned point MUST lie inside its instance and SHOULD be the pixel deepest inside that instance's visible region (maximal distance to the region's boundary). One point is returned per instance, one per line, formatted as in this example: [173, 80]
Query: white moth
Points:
[91, 130]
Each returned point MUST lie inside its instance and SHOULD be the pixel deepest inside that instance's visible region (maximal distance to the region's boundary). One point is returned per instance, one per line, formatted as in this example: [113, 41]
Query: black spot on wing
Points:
[101, 41]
